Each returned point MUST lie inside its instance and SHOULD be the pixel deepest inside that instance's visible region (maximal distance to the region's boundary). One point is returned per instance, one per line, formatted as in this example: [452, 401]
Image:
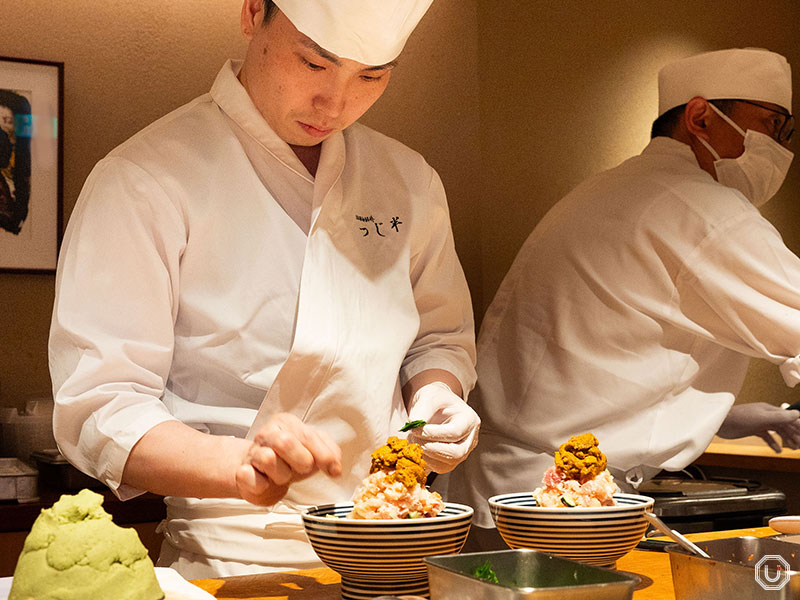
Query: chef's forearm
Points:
[172, 459]
[431, 376]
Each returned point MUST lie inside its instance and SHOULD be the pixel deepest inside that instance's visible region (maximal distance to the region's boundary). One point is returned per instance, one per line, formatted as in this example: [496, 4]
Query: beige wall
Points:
[566, 88]
[126, 63]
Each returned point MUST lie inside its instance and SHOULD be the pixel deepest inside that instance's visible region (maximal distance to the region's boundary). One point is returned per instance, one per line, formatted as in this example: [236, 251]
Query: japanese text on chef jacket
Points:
[366, 225]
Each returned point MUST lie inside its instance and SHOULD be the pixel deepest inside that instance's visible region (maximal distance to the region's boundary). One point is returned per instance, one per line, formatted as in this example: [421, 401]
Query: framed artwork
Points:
[31, 164]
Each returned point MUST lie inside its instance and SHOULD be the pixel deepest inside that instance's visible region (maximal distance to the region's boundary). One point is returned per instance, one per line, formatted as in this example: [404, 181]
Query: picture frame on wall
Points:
[31, 164]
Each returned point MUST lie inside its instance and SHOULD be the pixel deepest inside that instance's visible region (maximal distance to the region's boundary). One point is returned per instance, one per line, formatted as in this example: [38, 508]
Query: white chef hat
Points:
[738, 73]
[372, 32]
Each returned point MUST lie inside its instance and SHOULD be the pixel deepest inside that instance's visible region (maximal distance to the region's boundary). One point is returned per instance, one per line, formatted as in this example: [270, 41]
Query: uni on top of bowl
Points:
[383, 556]
[596, 535]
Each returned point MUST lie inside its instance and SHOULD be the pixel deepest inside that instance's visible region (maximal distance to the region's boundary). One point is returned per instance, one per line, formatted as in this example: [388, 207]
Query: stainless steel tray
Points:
[740, 567]
[524, 574]
[18, 481]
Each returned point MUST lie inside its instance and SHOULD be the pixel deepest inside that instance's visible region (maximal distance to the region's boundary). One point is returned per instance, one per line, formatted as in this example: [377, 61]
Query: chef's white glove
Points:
[452, 426]
[761, 419]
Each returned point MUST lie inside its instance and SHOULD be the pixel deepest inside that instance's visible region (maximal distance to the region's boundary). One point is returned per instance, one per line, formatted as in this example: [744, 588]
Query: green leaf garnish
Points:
[486, 572]
[413, 425]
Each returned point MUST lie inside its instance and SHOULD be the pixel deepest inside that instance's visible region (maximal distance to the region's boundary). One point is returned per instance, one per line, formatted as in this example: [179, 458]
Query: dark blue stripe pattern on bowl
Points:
[377, 557]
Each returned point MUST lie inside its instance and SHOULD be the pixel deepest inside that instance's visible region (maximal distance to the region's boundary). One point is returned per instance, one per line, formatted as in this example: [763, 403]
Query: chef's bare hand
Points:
[761, 419]
[452, 426]
[284, 451]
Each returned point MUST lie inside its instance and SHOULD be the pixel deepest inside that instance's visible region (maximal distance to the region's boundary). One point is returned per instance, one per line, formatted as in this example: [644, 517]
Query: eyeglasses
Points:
[781, 134]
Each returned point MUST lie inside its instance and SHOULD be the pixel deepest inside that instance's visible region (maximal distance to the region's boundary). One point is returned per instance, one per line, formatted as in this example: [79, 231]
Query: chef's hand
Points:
[760, 418]
[285, 450]
[452, 426]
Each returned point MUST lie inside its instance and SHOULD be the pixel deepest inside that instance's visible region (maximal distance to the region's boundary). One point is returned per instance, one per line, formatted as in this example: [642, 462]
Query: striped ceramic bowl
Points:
[383, 557]
[597, 536]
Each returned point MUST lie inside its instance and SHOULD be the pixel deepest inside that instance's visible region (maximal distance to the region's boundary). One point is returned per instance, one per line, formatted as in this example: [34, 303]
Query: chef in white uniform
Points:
[255, 291]
[633, 308]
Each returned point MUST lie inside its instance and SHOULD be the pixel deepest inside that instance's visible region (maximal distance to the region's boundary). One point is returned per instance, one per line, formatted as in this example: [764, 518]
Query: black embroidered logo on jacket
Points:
[370, 221]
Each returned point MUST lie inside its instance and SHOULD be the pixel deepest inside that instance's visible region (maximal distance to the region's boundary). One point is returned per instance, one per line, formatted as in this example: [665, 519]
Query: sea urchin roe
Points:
[580, 458]
[402, 460]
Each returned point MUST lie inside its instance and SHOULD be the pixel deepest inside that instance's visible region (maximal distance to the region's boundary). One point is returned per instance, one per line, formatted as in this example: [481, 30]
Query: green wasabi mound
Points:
[75, 552]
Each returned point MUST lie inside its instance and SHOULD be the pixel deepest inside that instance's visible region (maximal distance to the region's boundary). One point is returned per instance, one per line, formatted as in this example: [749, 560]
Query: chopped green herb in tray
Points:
[413, 425]
[486, 572]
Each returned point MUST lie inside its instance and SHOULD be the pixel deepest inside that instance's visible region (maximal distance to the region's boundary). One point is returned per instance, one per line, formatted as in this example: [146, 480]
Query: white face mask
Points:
[759, 172]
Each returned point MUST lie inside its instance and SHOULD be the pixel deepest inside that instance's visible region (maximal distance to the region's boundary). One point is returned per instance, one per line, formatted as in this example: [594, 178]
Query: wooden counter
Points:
[749, 453]
[323, 584]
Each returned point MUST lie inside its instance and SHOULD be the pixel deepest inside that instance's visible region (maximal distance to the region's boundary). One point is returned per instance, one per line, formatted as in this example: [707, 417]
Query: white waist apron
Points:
[225, 537]
[356, 319]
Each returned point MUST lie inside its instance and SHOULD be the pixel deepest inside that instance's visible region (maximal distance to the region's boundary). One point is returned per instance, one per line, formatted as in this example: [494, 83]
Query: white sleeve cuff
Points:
[790, 369]
[461, 370]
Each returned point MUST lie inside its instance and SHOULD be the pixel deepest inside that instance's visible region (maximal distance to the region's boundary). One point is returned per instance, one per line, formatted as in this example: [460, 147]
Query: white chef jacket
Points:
[204, 268]
[631, 311]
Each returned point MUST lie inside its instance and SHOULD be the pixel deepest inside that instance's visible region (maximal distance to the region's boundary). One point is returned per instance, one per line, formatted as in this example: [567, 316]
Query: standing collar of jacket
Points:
[669, 147]
[229, 94]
